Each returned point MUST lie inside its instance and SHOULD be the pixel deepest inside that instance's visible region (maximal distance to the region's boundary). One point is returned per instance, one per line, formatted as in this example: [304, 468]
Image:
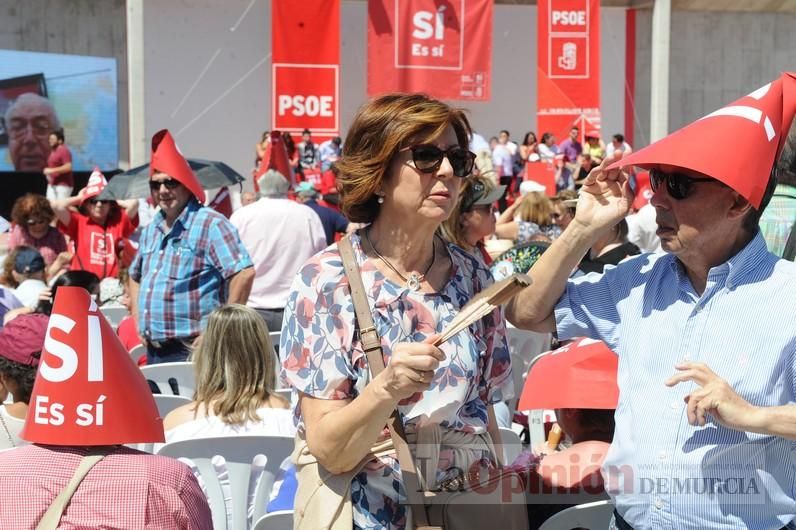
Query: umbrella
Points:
[518, 259]
[134, 183]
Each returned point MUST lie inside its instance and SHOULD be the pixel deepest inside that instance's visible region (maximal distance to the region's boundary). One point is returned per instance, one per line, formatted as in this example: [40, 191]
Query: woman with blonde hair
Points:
[528, 220]
[403, 165]
[235, 374]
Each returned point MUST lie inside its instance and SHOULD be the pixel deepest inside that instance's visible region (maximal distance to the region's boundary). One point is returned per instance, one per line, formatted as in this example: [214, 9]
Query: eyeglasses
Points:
[678, 185]
[98, 201]
[170, 184]
[37, 221]
[428, 159]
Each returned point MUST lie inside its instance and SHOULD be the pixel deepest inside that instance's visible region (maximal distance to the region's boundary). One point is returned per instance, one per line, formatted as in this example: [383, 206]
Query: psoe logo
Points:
[429, 34]
[305, 96]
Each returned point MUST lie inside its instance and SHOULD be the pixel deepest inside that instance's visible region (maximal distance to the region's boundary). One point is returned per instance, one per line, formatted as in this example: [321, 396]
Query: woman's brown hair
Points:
[235, 365]
[31, 206]
[380, 129]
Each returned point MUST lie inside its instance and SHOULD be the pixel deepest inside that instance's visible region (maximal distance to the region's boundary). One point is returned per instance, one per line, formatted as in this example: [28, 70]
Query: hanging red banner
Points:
[440, 47]
[568, 79]
[305, 44]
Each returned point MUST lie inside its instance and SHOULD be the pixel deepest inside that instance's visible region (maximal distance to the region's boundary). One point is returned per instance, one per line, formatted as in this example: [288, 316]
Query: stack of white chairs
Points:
[281, 520]
[239, 487]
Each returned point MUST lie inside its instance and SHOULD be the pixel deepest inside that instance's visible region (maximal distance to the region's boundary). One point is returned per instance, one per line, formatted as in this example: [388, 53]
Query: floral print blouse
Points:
[322, 356]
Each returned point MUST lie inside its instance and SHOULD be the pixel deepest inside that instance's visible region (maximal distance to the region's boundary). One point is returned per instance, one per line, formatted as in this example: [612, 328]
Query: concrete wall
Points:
[715, 59]
[80, 27]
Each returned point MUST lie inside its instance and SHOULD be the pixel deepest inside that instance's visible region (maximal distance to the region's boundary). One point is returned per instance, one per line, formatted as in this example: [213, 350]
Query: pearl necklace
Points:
[414, 280]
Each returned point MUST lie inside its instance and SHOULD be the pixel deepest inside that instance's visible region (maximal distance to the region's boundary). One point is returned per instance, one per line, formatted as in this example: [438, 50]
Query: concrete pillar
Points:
[135, 82]
[659, 78]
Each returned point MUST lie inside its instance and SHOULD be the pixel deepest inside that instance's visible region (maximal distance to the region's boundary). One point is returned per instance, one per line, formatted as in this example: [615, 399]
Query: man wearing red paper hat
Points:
[704, 332]
[190, 259]
[88, 399]
[97, 227]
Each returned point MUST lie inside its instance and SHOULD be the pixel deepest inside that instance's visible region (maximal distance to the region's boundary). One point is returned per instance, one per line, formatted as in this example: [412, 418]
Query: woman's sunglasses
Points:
[428, 159]
[98, 201]
[170, 184]
[678, 185]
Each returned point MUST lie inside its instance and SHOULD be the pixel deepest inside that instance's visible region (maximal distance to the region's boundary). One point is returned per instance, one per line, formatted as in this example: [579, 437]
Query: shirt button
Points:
[675, 405]
[663, 455]
[161, 252]
[658, 504]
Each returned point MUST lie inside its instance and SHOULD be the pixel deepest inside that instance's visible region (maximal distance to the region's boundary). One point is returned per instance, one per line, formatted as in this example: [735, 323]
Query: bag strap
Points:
[52, 517]
[371, 343]
[790, 246]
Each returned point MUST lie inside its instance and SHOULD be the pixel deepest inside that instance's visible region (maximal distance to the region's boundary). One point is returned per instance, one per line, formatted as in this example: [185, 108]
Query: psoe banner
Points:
[305, 88]
[568, 91]
[440, 47]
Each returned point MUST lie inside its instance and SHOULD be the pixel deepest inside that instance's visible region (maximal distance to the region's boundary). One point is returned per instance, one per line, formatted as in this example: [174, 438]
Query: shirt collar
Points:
[734, 269]
[184, 217]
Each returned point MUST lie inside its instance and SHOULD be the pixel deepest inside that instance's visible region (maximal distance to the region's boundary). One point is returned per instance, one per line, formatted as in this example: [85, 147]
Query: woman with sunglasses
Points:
[402, 168]
[473, 220]
[31, 216]
[96, 227]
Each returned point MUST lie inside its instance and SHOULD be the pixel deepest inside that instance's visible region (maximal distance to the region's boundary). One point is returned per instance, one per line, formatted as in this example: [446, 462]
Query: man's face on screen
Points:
[29, 124]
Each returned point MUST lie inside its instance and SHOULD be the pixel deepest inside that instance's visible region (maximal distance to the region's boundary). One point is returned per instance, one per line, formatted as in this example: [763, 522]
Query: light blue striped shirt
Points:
[663, 472]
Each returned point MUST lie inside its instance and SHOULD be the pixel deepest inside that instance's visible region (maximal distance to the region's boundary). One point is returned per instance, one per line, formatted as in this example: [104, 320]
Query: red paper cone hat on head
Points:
[87, 390]
[96, 183]
[580, 375]
[166, 158]
[752, 129]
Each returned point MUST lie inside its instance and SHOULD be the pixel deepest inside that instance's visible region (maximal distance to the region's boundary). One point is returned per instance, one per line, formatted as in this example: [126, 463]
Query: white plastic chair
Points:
[512, 445]
[182, 373]
[239, 453]
[536, 417]
[137, 352]
[114, 313]
[281, 520]
[167, 403]
[523, 346]
[592, 516]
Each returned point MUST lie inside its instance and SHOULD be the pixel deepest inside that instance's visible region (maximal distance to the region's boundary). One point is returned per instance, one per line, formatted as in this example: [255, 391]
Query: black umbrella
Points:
[134, 183]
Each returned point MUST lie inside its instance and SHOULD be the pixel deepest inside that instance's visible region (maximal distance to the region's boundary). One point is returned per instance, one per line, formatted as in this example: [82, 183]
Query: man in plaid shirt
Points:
[190, 259]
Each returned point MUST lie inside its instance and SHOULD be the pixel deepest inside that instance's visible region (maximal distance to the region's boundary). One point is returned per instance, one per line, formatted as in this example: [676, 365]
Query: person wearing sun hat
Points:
[97, 227]
[89, 399]
[704, 332]
[190, 259]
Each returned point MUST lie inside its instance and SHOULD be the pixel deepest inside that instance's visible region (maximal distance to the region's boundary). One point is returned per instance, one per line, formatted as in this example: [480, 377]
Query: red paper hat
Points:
[275, 157]
[87, 390]
[166, 158]
[753, 127]
[96, 183]
[580, 375]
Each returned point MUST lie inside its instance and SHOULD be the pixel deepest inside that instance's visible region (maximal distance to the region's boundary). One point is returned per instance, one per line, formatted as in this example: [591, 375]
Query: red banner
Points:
[306, 66]
[568, 89]
[440, 47]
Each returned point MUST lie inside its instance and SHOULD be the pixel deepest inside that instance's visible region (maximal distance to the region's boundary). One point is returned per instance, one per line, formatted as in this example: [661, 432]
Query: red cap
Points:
[96, 183]
[166, 158]
[580, 375]
[755, 127]
[87, 390]
[22, 337]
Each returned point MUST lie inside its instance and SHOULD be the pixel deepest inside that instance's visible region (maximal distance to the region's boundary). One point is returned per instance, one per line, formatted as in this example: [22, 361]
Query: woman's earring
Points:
[380, 200]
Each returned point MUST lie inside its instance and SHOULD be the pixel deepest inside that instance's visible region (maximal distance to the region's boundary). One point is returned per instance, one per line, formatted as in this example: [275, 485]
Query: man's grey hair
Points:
[30, 97]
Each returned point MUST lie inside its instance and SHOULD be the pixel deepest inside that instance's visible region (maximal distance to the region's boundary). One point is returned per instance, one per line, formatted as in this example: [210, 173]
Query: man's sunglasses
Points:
[428, 159]
[170, 184]
[678, 185]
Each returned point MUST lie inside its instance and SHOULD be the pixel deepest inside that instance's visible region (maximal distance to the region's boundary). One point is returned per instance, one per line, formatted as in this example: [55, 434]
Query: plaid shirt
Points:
[778, 218]
[126, 489]
[184, 271]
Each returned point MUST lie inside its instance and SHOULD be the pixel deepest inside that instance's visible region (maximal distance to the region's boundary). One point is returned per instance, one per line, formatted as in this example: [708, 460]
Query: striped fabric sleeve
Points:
[588, 308]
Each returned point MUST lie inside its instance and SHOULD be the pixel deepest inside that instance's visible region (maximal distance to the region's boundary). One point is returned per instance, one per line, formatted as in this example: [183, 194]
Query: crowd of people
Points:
[655, 253]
